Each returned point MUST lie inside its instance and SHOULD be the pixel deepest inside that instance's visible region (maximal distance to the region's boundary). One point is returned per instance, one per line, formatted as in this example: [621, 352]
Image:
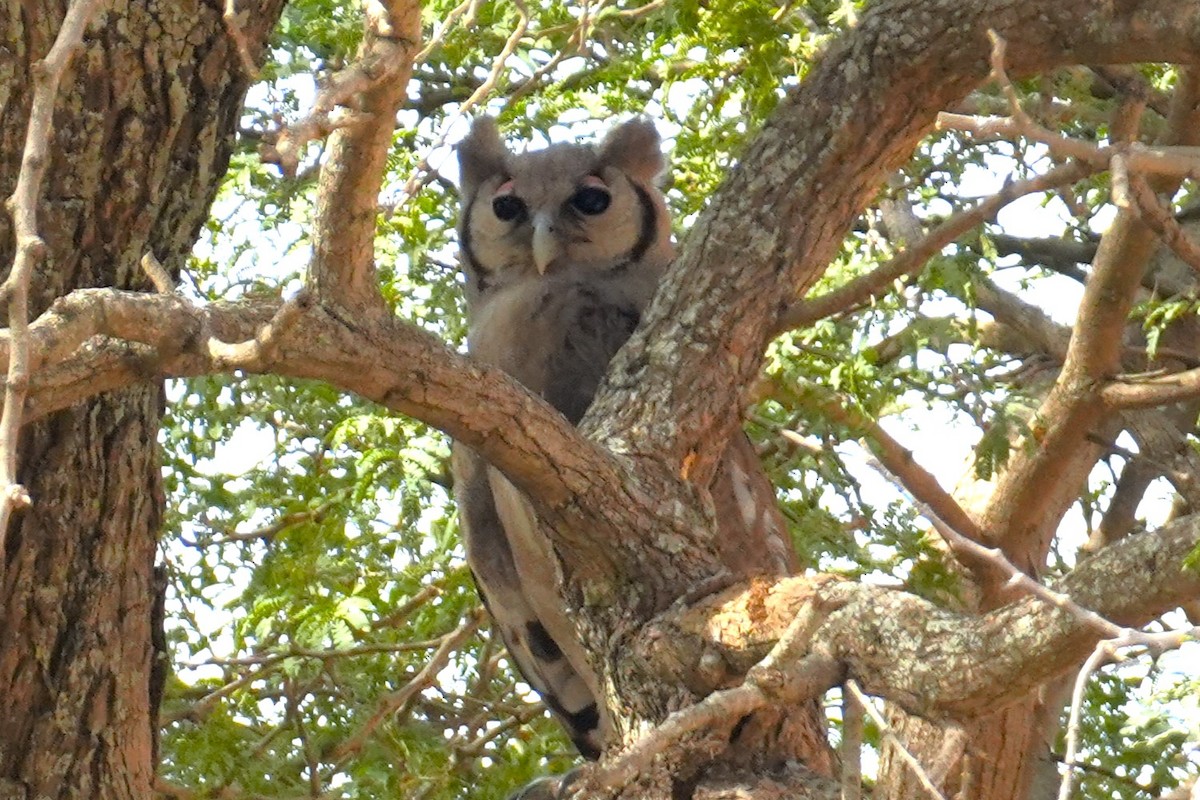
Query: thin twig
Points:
[389, 703]
[852, 742]
[1000, 75]
[890, 736]
[233, 26]
[783, 676]
[1160, 219]
[383, 60]
[320, 655]
[1099, 656]
[30, 247]
[444, 28]
[900, 465]
[915, 254]
[420, 175]
[1174, 161]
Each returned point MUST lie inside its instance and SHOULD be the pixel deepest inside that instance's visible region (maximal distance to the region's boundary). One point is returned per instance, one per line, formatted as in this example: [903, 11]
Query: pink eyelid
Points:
[503, 189]
[593, 180]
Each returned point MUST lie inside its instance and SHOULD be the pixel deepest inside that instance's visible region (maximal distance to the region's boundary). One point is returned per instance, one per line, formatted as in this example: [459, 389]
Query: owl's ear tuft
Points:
[480, 155]
[636, 148]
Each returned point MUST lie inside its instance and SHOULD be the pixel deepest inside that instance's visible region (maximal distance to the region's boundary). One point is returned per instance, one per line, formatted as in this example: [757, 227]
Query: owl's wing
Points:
[524, 609]
[753, 533]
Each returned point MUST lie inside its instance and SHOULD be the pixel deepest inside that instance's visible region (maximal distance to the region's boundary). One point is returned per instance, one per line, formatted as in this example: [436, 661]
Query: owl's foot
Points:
[552, 787]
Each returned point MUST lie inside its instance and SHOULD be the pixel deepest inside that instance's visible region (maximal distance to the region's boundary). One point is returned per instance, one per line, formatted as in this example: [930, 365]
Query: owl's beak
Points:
[545, 243]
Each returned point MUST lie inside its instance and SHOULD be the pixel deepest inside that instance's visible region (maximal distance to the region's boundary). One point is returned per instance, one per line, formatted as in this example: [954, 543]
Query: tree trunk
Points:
[141, 135]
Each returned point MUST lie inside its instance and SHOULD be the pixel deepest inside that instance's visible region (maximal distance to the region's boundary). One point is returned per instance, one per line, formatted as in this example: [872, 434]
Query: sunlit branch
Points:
[384, 63]
[853, 718]
[1169, 161]
[342, 270]
[1042, 479]
[1101, 654]
[385, 360]
[1160, 219]
[1131, 391]
[22, 206]
[787, 675]
[915, 255]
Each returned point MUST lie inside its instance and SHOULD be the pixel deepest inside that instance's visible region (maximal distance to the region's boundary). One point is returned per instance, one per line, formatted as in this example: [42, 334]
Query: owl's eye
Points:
[591, 200]
[509, 207]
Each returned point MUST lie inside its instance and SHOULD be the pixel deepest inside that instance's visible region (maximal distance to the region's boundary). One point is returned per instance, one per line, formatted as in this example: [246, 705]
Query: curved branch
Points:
[96, 340]
[22, 206]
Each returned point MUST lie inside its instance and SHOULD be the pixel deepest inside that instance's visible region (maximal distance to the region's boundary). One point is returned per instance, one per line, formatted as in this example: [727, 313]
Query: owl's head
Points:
[565, 209]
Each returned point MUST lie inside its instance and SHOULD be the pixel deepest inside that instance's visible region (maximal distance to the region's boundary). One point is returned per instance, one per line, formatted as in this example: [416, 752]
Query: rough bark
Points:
[141, 137]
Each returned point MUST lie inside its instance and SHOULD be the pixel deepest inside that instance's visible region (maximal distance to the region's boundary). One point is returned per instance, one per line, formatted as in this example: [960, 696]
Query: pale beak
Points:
[545, 244]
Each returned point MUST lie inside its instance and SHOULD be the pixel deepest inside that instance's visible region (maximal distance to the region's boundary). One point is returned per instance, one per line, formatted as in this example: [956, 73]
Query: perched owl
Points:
[562, 249]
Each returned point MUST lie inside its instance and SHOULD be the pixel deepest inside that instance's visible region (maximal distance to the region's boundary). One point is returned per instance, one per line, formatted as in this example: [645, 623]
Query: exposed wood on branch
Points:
[901, 647]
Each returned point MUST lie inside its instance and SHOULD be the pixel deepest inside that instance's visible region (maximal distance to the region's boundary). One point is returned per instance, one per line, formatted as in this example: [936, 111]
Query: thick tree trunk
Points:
[142, 133]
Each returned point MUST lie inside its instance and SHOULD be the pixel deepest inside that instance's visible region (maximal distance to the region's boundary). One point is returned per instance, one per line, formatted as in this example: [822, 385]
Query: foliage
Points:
[312, 550]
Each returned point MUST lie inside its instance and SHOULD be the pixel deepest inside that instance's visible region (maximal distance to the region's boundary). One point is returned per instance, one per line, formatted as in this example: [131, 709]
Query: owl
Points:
[561, 250]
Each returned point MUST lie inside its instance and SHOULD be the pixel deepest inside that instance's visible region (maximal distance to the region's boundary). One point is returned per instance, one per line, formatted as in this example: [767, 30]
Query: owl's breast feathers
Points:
[570, 326]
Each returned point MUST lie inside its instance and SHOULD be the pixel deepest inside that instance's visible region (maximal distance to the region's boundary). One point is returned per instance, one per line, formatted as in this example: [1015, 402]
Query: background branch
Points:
[342, 271]
[900, 647]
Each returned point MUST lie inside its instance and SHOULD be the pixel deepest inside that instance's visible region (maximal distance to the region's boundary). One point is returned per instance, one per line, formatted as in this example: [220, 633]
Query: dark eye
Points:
[591, 200]
[508, 207]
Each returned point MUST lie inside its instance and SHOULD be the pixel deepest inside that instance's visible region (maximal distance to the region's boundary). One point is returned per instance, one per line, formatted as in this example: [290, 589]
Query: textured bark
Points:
[142, 134]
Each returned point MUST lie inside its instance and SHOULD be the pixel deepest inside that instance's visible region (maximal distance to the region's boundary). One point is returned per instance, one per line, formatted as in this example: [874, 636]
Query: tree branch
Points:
[82, 345]
[915, 254]
[1042, 480]
[900, 647]
[1149, 391]
[889, 736]
[22, 206]
[342, 271]
[828, 146]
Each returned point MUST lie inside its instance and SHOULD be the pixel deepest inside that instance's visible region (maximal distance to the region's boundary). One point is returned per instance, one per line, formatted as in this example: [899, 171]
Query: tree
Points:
[121, 163]
[839, 276]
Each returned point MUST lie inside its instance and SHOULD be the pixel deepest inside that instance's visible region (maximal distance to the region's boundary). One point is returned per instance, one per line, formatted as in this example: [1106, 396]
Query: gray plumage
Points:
[562, 249]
